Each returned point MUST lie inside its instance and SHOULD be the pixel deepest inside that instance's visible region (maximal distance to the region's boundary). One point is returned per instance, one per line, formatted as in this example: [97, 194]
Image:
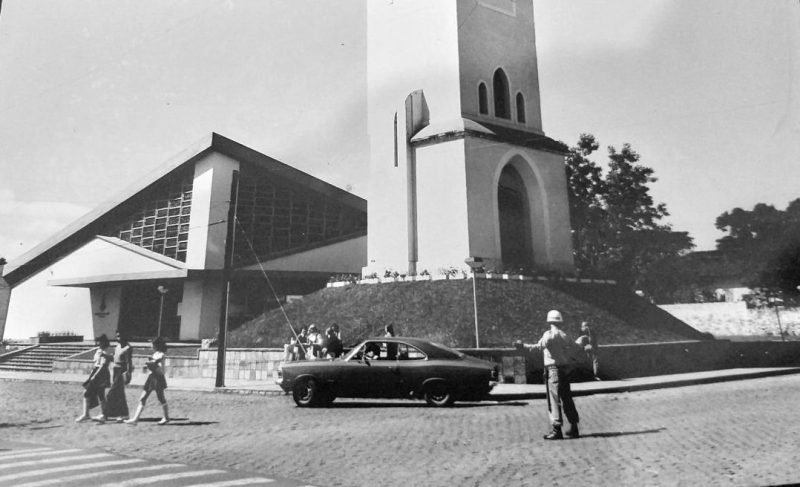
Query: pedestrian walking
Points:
[156, 381]
[94, 393]
[555, 347]
[121, 370]
[588, 342]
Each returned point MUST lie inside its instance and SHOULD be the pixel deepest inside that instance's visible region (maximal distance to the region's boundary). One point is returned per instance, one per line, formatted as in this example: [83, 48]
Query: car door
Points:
[412, 368]
[370, 374]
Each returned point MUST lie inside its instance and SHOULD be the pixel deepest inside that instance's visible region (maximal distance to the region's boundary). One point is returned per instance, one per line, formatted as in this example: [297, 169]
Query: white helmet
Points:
[553, 316]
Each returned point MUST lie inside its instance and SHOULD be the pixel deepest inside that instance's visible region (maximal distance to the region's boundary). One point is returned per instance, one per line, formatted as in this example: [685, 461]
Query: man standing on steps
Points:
[555, 347]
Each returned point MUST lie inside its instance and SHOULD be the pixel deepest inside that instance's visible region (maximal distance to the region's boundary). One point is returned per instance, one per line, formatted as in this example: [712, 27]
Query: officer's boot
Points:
[573, 431]
[555, 434]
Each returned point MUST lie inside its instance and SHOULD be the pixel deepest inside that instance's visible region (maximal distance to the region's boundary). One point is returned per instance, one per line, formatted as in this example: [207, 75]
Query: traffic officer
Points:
[555, 347]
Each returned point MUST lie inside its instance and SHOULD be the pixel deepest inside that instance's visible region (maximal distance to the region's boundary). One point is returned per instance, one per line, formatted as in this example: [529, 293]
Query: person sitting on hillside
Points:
[315, 342]
[391, 348]
[296, 348]
[333, 345]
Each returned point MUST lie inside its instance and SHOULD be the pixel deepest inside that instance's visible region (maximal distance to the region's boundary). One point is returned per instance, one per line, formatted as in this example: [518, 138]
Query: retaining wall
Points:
[616, 361]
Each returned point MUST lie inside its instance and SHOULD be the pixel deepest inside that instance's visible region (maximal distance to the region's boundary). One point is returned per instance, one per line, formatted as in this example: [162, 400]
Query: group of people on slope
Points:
[311, 344]
[113, 371]
[557, 352]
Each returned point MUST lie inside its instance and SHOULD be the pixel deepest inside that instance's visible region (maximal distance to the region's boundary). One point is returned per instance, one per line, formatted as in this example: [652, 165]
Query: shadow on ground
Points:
[614, 434]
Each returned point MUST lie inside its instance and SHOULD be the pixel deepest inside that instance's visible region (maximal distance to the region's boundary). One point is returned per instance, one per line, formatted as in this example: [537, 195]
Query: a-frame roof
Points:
[89, 225]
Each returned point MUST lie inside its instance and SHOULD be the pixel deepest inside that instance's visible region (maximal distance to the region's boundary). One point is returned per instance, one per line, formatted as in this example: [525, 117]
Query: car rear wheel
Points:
[438, 394]
[306, 393]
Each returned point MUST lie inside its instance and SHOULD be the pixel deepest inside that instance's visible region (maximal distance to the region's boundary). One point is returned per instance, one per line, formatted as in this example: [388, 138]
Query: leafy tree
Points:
[617, 227]
[765, 244]
[586, 189]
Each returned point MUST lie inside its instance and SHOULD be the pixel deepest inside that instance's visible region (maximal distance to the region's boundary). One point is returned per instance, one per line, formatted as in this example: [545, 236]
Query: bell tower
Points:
[459, 164]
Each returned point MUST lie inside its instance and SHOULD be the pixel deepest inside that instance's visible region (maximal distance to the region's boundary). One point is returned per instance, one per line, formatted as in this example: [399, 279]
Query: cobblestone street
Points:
[741, 433]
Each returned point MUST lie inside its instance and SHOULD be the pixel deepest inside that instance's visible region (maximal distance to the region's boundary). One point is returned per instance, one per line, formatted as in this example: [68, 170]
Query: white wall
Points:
[211, 194]
[346, 257]
[443, 230]
[200, 308]
[35, 306]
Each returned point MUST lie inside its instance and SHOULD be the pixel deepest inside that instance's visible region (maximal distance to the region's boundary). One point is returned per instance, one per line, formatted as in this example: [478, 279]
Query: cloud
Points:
[24, 224]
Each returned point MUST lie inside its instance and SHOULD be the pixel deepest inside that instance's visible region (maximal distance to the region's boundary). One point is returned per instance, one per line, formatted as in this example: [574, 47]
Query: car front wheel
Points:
[438, 395]
[306, 393]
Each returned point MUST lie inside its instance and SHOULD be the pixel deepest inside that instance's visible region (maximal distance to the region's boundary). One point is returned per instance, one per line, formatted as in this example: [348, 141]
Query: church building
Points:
[460, 171]
[460, 166]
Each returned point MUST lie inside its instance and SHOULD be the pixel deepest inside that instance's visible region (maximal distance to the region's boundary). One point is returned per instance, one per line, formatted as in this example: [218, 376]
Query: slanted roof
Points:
[106, 260]
[88, 226]
[459, 128]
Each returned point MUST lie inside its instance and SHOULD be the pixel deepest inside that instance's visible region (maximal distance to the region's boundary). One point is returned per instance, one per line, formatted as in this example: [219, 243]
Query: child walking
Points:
[99, 379]
[155, 382]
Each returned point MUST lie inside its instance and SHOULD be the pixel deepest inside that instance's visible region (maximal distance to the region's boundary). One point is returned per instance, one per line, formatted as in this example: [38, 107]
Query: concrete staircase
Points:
[39, 358]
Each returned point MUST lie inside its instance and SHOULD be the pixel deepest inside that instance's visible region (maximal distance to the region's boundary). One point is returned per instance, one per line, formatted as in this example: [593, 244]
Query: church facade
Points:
[460, 171]
[155, 260]
[460, 166]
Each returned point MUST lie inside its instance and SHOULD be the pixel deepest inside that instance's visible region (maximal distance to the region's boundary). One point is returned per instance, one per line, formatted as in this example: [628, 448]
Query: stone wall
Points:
[735, 319]
[174, 366]
[616, 361]
[242, 363]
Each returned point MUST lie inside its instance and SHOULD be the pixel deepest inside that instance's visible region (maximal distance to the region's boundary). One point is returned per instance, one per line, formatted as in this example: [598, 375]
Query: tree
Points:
[765, 244]
[617, 227]
[586, 188]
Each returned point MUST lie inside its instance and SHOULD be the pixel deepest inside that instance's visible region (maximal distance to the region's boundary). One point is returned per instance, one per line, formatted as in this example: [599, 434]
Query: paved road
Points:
[28, 465]
[732, 433]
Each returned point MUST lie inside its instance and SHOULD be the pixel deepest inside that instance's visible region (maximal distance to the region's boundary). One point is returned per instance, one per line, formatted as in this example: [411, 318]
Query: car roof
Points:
[431, 349]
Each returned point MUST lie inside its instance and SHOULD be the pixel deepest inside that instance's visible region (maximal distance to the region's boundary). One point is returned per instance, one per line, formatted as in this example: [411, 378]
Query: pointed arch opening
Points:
[483, 99]
[501, 94]
[514, 211]
[520, 108]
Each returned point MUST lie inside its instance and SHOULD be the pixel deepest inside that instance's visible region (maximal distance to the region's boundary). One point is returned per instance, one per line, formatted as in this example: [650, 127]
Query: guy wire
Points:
[269, 283]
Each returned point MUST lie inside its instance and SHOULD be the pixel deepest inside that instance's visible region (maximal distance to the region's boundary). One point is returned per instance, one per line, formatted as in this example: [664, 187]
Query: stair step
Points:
[41, 357]
[24, 368]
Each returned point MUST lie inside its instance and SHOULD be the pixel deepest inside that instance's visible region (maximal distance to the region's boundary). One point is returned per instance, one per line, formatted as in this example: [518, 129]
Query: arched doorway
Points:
[515, 223]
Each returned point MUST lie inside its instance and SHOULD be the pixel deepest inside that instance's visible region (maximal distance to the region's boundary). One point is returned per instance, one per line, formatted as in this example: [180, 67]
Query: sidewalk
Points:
[502, 392]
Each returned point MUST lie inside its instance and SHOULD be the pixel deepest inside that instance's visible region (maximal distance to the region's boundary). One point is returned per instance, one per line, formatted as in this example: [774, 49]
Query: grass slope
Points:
[442, 311]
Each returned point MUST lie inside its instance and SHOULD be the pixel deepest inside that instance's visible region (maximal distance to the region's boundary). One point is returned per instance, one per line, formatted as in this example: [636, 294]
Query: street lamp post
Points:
[163, 292]
[475, 263]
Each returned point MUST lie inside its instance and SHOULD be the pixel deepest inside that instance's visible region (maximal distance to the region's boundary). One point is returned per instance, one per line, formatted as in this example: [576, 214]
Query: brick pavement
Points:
[731, 433]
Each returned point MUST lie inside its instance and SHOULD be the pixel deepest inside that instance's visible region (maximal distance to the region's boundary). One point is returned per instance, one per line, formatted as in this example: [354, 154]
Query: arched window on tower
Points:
[520, 108]
[501, 96]
[483, 99]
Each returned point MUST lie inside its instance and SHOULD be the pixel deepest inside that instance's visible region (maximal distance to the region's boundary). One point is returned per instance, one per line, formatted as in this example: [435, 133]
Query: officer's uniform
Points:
[555, 345]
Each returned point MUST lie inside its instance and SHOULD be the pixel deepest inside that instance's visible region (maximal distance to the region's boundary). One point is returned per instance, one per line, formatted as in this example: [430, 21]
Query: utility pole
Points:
[226, 279]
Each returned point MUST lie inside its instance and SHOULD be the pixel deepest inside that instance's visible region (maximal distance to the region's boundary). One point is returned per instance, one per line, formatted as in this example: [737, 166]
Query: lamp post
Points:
[475, 263]
[163, 292]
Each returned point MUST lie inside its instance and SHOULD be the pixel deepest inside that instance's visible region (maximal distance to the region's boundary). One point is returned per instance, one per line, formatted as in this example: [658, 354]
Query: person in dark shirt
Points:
[333, 344]
[588, 342]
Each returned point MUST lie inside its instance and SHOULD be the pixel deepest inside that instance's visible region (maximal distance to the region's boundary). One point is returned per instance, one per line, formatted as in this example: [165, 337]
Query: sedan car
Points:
[390, 367]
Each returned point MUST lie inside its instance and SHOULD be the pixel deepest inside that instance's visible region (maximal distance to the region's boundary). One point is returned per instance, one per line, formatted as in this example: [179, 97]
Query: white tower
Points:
[460, 166]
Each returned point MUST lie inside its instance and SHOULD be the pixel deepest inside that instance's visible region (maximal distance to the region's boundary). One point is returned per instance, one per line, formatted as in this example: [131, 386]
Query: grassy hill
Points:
[443, 311]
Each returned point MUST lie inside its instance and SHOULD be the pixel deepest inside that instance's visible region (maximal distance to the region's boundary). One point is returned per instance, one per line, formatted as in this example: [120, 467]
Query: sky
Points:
[94, 95]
